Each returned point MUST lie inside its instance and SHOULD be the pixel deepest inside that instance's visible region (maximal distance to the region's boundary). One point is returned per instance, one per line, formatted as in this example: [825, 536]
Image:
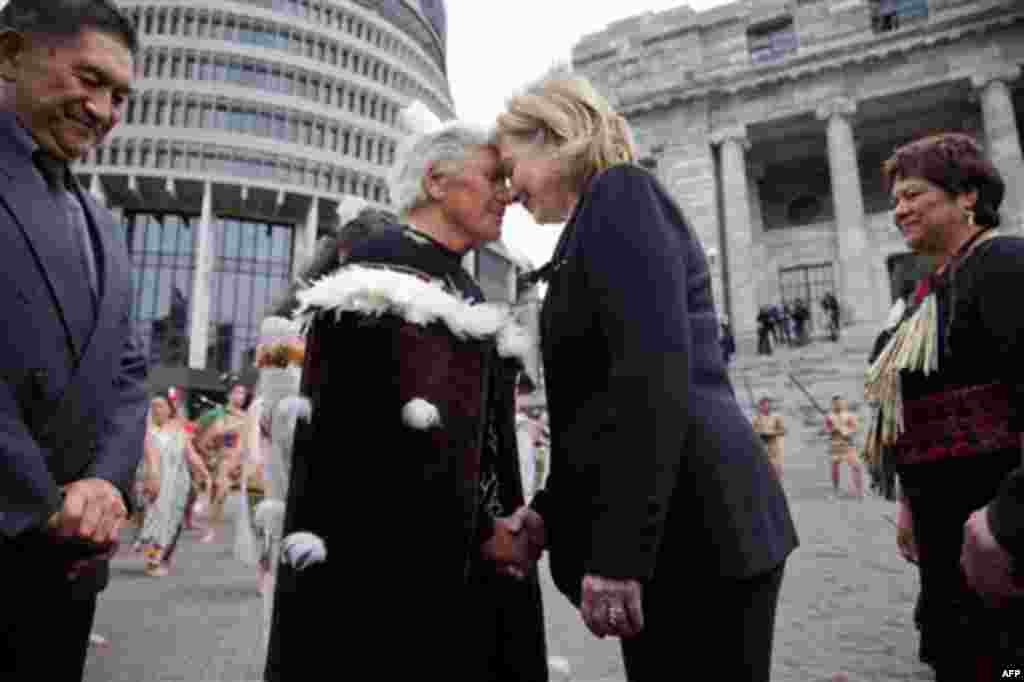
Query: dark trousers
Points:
[44, 625]
[726, 627]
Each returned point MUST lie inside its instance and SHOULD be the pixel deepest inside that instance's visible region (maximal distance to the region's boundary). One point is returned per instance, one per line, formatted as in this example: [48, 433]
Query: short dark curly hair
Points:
[68, 18]
[954, 162]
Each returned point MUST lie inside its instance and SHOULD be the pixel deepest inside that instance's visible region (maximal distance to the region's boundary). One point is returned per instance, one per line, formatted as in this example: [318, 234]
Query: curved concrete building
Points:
[252, 121]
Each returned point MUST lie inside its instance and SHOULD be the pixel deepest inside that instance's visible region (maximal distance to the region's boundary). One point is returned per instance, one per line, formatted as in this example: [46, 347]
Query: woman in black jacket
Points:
[659, 489]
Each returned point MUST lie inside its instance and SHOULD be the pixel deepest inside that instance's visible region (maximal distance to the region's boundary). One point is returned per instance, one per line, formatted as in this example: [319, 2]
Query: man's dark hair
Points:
[67, 18]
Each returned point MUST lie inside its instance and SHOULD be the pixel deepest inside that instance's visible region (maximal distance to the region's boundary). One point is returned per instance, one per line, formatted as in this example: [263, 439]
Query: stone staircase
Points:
[824, 368]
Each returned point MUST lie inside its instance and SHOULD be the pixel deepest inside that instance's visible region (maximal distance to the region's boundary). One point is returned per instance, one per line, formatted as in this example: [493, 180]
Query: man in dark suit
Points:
[72, 400]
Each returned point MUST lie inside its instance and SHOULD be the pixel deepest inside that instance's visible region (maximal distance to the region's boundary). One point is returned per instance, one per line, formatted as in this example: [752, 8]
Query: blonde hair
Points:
[564, 116]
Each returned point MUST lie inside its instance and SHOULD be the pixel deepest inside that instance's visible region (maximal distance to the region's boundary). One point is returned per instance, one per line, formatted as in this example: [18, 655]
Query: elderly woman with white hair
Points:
[659, 489]
[408, 468]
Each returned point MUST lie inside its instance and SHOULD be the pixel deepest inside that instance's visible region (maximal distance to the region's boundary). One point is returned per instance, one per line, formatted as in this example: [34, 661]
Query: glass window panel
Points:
[263, 236]
[148, 304]
[231, 238]
[245, 283]
[244, 307]
[163, 296]
[279, 239]
[169, 236]
[138, 234]
[249, 236]
[152, 234]
[228, 288]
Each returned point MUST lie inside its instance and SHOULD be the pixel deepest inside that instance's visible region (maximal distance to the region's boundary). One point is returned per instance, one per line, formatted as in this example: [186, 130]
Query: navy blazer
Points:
[72, 394]
[654, 465]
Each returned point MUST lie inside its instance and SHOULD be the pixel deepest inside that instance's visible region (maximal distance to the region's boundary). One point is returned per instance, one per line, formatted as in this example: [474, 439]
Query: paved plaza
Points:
[846, 602]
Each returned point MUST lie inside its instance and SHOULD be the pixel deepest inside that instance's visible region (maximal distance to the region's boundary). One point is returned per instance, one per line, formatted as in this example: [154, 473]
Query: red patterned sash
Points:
[963, 422]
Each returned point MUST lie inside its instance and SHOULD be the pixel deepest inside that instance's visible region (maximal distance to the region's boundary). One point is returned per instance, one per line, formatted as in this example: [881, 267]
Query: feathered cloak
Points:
[396, 497]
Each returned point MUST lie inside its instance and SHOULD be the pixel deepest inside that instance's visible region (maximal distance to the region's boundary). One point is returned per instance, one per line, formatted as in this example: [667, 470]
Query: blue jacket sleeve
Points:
[28, 493]
[119, 447]
[634, 246]
[1003, 268]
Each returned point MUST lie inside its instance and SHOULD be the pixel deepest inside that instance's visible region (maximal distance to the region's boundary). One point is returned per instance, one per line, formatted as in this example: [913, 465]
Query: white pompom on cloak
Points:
[302, 549]
[421, 415]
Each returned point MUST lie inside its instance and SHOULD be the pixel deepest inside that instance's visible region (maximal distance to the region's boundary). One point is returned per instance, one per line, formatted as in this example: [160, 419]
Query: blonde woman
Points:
[659, 487]
[170, 460]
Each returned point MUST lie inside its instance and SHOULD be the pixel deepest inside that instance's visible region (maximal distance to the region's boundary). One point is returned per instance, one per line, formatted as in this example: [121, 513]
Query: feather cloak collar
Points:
[417, 299]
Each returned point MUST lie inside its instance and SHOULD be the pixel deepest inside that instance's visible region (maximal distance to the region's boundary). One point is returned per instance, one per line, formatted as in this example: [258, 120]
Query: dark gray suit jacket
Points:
[72, 396]
[655, 469]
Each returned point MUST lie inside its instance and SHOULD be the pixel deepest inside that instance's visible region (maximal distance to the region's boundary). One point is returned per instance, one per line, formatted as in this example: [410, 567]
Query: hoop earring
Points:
[970, 217]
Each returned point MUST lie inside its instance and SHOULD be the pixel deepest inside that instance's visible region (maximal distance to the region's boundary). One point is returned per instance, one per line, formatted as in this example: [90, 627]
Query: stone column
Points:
[1003, 137]
[305, 237]
[766, 274]
[858, 295]
[202, 281]
[739, 238]
[96, 189]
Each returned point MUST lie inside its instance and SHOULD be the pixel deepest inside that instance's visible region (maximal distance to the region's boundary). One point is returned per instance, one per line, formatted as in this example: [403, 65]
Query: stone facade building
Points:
[769, 120]
[252, 121]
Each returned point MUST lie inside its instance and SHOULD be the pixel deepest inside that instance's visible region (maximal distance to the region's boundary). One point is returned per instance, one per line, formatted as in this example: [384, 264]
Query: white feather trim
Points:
[417, 119]
[349, 209]
[421, 415]
[302, 550]
[288, 413]
[379, 291]
[515, 341]
[294, 408]
[268, 512]
[276, 328]
[560, 666]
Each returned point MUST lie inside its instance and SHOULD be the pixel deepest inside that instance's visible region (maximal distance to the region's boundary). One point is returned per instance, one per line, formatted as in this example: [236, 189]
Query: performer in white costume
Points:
[273, 414]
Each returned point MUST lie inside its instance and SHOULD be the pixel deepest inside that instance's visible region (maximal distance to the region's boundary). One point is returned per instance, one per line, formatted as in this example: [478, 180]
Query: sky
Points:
[496, 48]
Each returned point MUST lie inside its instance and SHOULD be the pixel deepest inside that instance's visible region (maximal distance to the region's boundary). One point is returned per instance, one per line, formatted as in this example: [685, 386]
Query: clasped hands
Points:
[91, 516]
[517, 542]
[609, 607]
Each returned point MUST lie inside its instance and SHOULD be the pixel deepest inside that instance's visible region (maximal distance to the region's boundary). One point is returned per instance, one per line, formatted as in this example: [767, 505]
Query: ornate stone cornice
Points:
[840, 106]
[1002, 72]
[869, 50]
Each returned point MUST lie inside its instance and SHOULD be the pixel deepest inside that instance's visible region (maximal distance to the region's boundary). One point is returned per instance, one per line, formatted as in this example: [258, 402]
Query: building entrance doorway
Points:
[808, 283]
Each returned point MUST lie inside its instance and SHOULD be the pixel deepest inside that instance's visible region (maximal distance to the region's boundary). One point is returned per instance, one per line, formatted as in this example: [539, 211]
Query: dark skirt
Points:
[960, 634]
